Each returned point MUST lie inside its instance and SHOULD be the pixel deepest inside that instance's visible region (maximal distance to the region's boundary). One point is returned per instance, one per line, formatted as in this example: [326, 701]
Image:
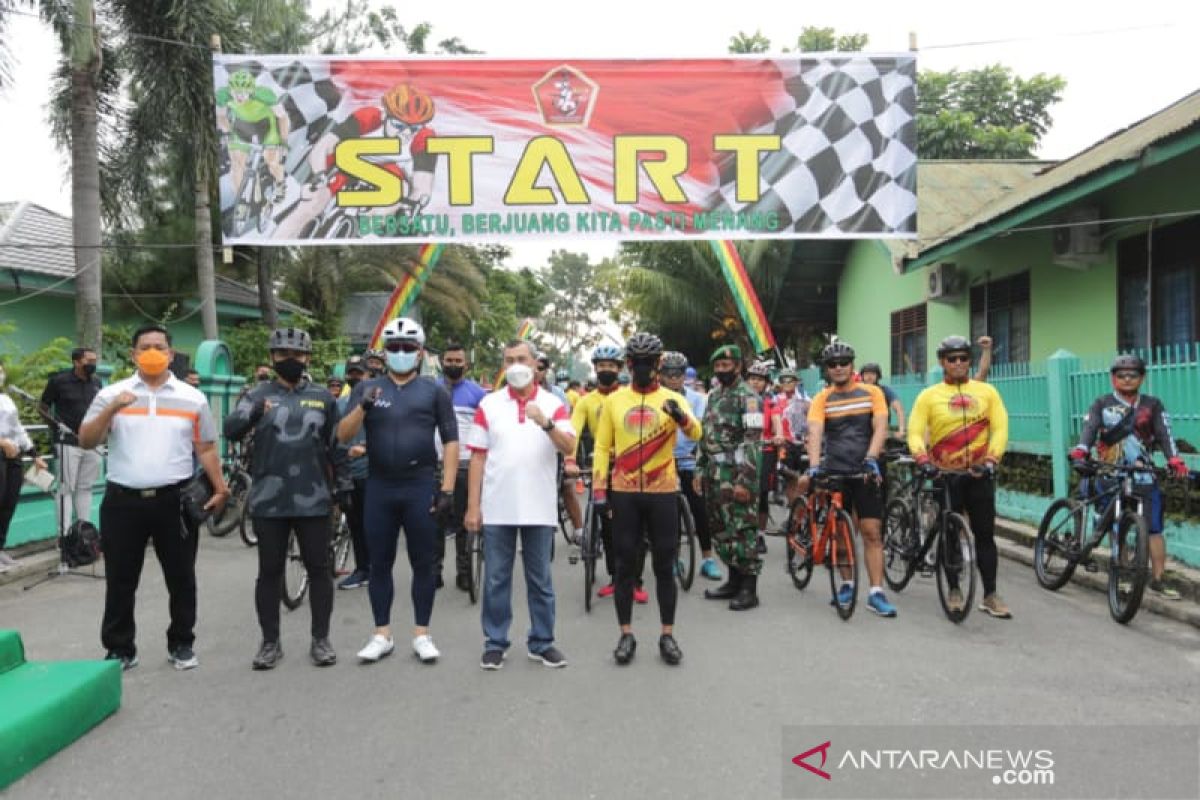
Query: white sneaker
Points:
[425, 649]
[6, 560]
[377, 648]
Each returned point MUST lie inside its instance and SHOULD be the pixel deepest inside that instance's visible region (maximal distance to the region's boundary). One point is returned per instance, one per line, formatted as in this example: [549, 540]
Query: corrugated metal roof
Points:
[25, 223]
[1123, 145]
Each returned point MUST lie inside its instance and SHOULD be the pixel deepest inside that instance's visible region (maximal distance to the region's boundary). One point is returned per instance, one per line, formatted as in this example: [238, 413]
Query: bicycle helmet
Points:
[643, 345]
[673, 360]
[607, 352]
[1128, 361]
[404, 329]
[562, 375]
[760, 369]
[290, 339]
[953, 344]
[788, 372]
[835, 350]
[408, 104]
[871, 367]
[369, 353]
[242, 81]
[355, 363]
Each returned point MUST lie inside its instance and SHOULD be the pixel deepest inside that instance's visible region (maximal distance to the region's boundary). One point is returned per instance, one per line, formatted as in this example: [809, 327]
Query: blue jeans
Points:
[499, 552]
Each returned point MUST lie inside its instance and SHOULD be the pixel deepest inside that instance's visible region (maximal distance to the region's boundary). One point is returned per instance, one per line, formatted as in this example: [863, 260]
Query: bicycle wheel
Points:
[589, 551]
[901, 543]
[341, 547]
[475, 552]
[295, 576]
[956, 565]
[223, 524]
[1056, 549]
[843, 563]
[685, 558]
[1129, 568]
[564, 521]
[799, 529]
[246, 527]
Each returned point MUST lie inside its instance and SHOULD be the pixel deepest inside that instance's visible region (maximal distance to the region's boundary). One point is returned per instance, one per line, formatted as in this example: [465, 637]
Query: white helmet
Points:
[404, 329]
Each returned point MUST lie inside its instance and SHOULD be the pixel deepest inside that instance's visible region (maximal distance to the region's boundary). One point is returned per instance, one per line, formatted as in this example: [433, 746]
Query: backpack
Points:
[81, 545]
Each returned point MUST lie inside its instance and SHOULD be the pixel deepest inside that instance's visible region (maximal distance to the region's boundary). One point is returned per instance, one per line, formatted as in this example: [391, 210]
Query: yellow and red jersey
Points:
[638, 437]
[966, 424]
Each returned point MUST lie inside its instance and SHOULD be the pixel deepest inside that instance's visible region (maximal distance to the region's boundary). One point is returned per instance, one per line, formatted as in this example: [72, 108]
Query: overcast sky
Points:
[1122, 61]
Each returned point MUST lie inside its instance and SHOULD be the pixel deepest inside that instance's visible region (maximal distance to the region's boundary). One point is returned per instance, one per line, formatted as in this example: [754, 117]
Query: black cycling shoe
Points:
[668, 648]
[625, 649]
[728, 590]
[322, 653]
[269, 654]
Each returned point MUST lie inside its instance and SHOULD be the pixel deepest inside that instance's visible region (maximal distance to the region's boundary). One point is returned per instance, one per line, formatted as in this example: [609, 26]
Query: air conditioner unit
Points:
[1077, 241]
[943, 284]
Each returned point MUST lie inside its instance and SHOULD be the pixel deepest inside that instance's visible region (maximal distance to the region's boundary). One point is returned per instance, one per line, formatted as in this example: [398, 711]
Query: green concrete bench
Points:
[47, 705]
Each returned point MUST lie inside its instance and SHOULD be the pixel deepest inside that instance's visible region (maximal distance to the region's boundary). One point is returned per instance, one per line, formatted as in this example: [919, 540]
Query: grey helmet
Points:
[1128, 361]
[835, 350]
[290, 339]
[953, 344]
[673, 359]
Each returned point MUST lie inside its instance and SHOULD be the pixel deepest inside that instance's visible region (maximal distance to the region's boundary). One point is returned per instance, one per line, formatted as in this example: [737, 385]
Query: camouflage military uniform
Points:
[729, 456]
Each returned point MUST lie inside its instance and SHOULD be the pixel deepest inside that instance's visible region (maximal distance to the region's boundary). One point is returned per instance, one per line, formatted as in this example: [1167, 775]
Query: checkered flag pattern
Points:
[848, 163]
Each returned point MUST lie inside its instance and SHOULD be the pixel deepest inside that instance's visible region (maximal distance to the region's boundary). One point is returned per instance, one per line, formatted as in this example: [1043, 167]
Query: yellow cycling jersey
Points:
[966, 424]
[639, 438]
[585, 416]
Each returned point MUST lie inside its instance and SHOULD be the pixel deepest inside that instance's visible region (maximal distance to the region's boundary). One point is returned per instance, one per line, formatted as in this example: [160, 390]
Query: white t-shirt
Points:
[520, 478]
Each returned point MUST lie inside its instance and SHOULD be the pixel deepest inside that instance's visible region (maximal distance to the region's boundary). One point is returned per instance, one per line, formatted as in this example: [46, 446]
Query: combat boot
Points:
[747, 596]
[728, 589]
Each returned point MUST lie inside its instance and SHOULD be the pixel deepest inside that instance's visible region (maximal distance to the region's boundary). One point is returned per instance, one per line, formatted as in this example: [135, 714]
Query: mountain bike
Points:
[822, 511]
[1109, 503]
[591, 548]
[921, 532]
[237, 478]
[295, 575]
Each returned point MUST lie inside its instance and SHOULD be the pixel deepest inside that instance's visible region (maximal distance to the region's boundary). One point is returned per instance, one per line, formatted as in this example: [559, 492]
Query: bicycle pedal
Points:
[1090, 566]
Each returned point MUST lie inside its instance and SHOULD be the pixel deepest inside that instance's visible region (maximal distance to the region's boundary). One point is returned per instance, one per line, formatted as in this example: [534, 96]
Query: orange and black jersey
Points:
[849, 420]
[638, 437]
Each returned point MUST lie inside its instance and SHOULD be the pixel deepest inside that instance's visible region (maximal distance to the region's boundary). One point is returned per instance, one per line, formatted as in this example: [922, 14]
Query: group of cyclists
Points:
[647, 432]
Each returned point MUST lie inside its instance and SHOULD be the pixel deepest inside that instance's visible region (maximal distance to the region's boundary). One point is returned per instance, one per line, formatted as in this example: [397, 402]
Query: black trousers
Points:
[10, 493]
[462, 562]
[636, 517]
[127, 523]
[313, 535]
[976, 497]
[358, 533]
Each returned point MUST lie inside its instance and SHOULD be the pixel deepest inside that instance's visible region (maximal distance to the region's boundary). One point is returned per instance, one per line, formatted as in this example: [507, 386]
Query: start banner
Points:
[342, 150]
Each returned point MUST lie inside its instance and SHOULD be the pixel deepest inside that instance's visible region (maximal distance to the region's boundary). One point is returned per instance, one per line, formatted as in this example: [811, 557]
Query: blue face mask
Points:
[402, 363]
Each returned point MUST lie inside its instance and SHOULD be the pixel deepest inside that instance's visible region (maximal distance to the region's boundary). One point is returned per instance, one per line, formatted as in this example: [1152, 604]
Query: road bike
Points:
[921, 532]
[821, 510]
[1072, 527]
[253, 203]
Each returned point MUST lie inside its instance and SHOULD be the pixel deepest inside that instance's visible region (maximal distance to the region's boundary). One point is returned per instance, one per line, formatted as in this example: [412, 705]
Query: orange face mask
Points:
[153, 362]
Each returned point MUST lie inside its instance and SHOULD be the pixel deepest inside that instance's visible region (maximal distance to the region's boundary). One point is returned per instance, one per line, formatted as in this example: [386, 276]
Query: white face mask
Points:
[519, 375]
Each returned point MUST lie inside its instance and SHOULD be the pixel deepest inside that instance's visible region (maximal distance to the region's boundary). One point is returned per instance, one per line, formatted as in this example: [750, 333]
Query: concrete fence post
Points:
[1059, 367]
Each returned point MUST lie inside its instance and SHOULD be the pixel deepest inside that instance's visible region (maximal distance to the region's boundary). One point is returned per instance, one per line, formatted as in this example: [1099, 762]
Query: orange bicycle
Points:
[821, 511]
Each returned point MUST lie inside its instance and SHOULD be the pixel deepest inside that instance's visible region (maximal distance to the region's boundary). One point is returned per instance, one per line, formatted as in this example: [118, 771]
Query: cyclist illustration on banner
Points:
[254, 130]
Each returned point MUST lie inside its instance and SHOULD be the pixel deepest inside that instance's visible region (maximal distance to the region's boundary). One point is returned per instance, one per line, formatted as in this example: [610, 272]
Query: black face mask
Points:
[352, 382]
[374, 372]
[89, 370]
[263, 376]
[454, 372]
[289, 369]
[726, 378]
[642, 374]
[606, 378]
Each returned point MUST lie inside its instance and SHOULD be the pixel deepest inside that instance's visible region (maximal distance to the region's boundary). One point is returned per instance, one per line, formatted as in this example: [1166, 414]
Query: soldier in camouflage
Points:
[295, 456]
[727, 471]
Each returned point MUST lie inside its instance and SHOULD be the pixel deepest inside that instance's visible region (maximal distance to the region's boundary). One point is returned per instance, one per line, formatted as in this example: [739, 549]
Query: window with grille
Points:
[1158, 288]
[1000, 309]
[908, 340]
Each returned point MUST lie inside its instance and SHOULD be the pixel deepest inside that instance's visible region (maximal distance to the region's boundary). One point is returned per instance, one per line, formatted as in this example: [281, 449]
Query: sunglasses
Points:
[958, 358]
[1128, 376]
[672, 373]
[401, 347]
[838, 362]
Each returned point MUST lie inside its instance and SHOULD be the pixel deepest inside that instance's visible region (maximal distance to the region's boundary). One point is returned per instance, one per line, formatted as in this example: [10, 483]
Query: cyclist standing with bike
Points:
[727, 471]
[1125, 427]
[961, 424]
[850, 419]
[295, 456]
[637, 433]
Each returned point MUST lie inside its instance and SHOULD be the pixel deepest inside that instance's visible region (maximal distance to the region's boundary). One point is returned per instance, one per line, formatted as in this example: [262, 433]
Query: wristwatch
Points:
[549, 426]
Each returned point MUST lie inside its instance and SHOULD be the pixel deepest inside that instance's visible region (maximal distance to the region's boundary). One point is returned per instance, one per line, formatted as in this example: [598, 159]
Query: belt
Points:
[154, 491]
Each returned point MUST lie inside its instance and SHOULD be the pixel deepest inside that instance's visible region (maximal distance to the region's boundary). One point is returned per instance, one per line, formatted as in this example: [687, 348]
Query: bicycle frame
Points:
[1114, 499]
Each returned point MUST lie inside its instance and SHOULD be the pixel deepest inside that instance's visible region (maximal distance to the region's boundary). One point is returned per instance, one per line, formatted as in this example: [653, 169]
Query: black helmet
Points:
[760, 369]
[674, 360]
[643, 345]
[290, 339]
[355, 363]
[835, 350]
[953, 344]
[870, 367]
[1128, 361]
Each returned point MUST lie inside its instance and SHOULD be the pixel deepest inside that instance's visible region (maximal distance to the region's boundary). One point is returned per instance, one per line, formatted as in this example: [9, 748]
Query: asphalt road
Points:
[712, 727]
